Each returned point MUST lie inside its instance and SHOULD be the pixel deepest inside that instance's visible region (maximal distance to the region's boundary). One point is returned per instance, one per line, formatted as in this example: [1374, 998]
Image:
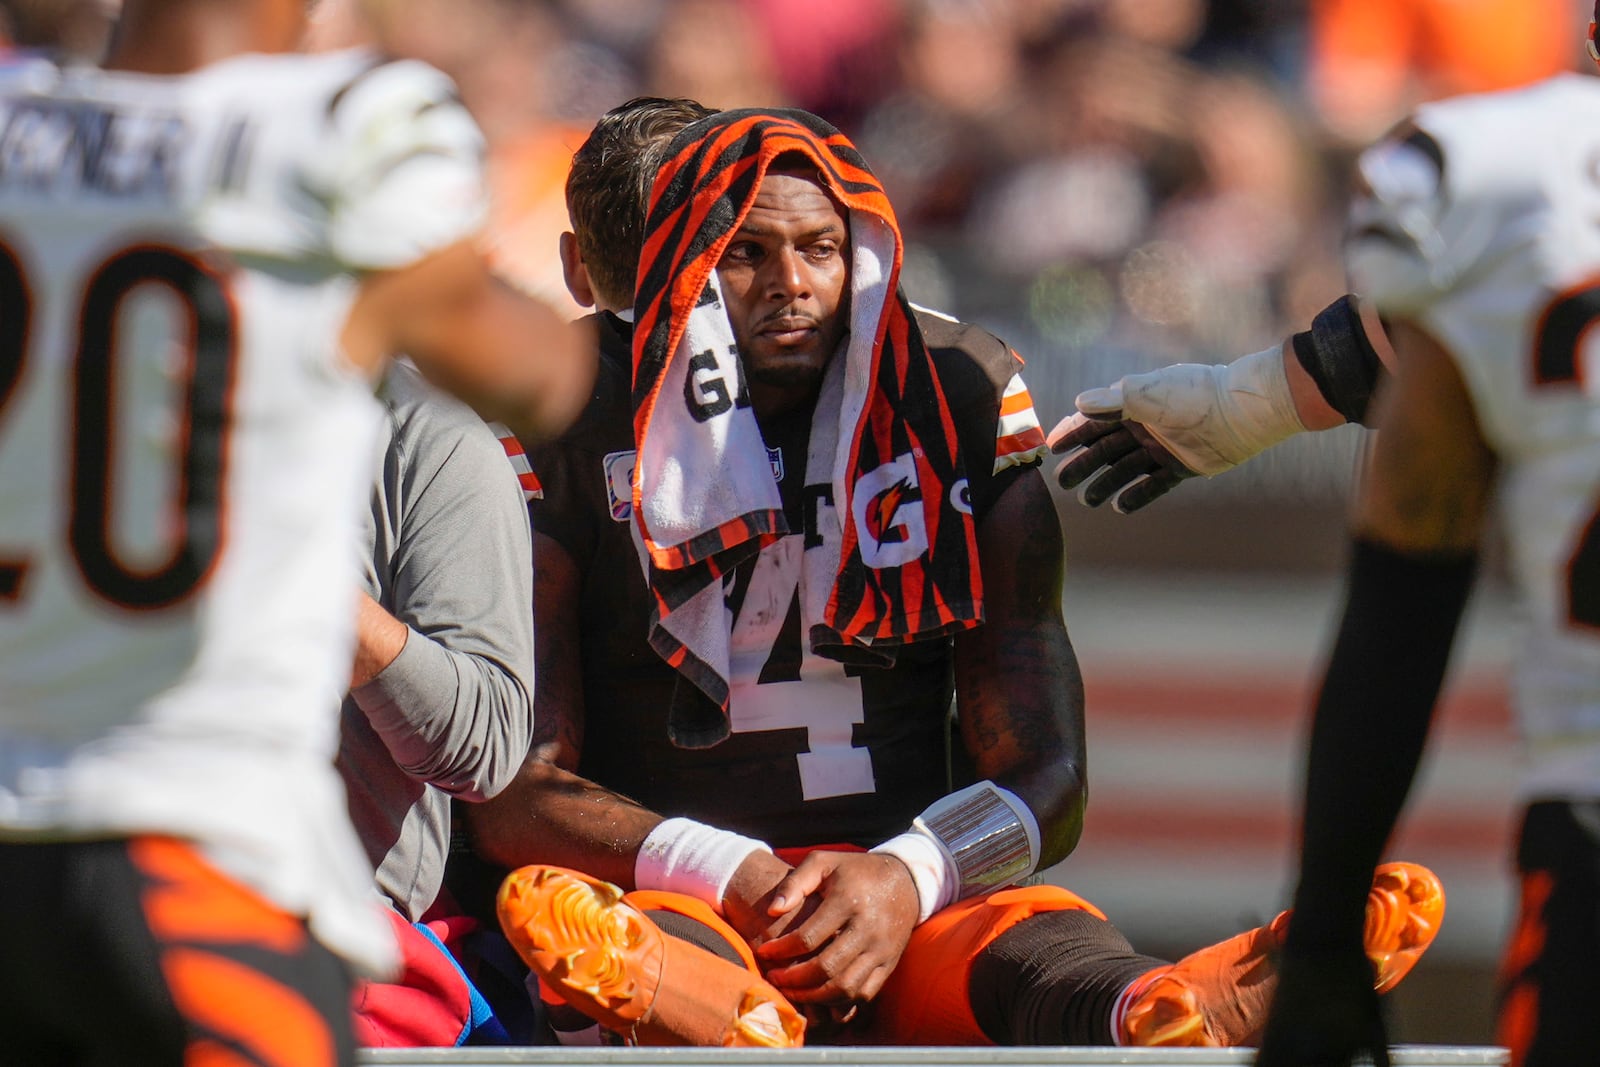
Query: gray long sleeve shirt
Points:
[448, 553]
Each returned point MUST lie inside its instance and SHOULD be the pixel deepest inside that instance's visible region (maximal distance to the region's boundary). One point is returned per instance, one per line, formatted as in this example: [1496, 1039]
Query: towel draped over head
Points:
[899, 563]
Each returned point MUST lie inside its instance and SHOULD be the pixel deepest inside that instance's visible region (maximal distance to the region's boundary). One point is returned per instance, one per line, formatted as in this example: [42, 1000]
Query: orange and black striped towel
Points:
[903, 564]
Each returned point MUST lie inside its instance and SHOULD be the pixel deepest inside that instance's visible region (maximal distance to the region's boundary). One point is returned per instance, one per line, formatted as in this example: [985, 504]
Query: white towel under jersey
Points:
[184, 453]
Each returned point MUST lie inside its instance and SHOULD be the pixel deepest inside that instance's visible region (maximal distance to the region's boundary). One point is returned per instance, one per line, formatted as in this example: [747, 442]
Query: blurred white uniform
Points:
[1484, 229]
[184, 452]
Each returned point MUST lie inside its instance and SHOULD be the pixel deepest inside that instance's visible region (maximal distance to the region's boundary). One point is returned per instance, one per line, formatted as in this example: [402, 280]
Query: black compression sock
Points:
[1370, 726]
[1053, 979]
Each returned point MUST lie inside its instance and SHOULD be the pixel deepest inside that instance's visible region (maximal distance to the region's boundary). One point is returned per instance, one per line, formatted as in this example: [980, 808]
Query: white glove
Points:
[1173, 423]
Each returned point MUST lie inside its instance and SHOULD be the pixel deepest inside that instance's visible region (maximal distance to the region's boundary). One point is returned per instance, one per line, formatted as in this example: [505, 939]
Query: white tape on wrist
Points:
[684, 856]
[932, 869]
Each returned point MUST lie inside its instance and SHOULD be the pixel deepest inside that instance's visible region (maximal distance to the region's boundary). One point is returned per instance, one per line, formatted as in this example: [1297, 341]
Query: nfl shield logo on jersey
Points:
[618, 468]
[775, 457]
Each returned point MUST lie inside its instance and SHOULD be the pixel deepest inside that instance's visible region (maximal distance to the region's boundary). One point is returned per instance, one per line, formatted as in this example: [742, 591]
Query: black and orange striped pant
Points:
[137, 952]
[1549, 971]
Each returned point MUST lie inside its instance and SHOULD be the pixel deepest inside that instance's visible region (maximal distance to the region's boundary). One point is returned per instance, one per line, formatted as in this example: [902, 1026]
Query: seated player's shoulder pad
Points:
[961, 349]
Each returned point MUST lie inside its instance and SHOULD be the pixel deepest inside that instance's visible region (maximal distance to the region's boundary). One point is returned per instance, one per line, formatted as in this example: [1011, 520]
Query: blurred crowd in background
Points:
[1110, 185]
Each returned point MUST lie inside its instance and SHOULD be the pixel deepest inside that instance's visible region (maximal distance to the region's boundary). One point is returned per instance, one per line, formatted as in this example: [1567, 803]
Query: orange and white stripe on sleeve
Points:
[531, 489]
[1019, 439]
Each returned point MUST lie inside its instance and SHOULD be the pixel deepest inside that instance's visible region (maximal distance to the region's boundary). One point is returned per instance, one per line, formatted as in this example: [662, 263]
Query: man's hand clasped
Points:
[829, 933]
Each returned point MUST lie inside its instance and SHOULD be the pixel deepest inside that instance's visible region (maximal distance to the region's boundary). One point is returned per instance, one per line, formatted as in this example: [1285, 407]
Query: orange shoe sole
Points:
[608, 960]
[1404, 909]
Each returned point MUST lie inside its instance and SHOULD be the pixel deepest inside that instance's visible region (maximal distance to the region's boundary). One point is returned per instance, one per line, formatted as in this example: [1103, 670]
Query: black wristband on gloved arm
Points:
[1339, 356]
[1371, 724]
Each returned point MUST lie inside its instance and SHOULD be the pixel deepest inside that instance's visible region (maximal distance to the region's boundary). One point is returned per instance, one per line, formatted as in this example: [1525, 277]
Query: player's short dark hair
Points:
[608, 187]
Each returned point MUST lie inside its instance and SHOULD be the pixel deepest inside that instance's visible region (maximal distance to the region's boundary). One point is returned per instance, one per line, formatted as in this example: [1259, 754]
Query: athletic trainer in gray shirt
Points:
[448, 559]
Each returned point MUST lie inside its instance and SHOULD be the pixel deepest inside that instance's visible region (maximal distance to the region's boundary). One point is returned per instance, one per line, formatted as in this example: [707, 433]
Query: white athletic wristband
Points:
[684, 856]
[933, 872]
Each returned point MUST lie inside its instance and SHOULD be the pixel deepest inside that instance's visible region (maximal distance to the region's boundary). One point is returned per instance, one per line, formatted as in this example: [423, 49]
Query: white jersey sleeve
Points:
[1397, 246]
[405, 176]
[1480, 224]
[364, 163]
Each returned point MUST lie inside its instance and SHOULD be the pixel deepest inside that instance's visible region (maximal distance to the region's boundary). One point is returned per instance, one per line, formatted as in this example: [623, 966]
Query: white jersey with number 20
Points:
[1482, 226]
[184, 452]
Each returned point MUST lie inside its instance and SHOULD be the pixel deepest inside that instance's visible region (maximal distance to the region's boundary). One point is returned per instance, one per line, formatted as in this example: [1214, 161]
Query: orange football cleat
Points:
[1404, 909]
[1219, 996]
[608, 960]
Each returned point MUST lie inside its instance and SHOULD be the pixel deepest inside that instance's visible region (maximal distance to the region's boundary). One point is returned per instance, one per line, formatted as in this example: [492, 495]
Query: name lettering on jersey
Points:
[61, 146]
[888, 512]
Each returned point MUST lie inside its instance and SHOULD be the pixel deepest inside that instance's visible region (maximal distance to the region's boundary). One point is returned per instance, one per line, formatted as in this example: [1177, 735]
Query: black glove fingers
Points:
[1146, 490]
[1118, 476]
[1086, 433]
[1111, 447]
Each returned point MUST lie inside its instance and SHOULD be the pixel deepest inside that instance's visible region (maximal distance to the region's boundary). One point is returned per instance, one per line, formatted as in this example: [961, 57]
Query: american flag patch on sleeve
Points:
[1019, 439]
[531, 489]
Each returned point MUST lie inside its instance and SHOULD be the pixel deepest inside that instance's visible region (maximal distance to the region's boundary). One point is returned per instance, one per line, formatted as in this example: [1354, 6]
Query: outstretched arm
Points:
[402, 181]
[1135, 440]
[1417, 529]
[508, 355]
